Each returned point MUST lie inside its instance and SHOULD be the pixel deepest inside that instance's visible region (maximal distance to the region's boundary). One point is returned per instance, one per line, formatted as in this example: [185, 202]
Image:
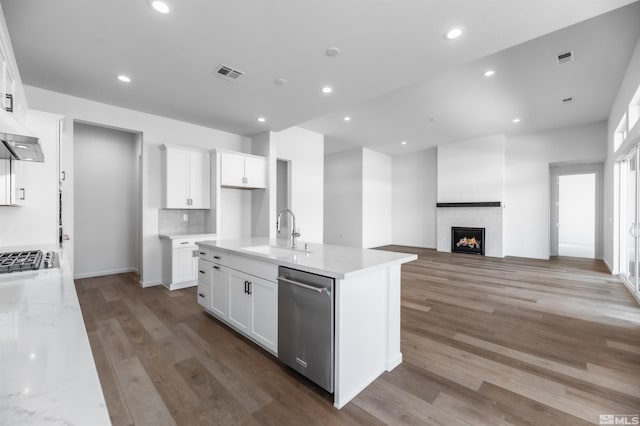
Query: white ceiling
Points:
[395, 70]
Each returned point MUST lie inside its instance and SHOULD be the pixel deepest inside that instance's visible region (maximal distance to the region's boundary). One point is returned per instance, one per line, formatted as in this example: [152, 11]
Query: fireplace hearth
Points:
[467, 240]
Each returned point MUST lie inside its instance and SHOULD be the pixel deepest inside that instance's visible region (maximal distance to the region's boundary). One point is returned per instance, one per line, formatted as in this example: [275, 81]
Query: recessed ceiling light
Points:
[124, 78]
[489, 73]
[516, 120]
[262, 119]
[160, 6]
[332, 52]
[347, 118]
[403, 143]
[453, 33]
[280, 81]
[327, 90]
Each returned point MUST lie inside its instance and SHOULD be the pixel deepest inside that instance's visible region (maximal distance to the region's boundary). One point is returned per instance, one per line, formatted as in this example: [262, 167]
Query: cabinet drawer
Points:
[267, 271]
[179, 242]
[204, 270]
[214, 255]
[204, 294]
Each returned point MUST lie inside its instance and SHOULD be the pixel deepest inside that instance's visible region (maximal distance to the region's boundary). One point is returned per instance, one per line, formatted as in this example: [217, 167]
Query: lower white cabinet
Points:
[180, 262]
[246, 302]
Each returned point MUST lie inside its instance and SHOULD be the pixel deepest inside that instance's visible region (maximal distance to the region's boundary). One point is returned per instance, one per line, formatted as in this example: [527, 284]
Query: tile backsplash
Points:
[171, 221]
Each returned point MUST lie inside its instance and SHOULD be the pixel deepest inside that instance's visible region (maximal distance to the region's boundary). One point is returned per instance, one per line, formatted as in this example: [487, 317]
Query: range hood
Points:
[17, 143]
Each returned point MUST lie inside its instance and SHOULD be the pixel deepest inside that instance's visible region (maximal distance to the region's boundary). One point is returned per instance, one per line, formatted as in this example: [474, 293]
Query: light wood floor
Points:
[485, 341]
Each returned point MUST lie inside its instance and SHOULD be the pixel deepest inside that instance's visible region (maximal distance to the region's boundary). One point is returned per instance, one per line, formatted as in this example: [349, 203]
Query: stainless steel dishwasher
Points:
[305, 324]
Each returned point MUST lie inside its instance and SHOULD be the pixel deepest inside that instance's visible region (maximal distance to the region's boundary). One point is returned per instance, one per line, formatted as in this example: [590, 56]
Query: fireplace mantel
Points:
[472, 204]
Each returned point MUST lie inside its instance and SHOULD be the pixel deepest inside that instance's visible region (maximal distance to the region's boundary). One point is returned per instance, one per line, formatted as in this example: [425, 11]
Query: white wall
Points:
[472, 170]
[343, 198]
[414, 199]
[527, 190]
[107, 199]
[305, 150]
[35, 222]
[376, 199]
[628, 86]
[156, 130]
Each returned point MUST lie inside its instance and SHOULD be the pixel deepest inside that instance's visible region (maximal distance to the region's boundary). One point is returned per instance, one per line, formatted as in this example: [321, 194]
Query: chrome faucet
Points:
[294, 234]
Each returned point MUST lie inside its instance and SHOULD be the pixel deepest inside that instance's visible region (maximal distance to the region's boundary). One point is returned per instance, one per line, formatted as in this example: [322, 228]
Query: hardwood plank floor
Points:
[485, 341]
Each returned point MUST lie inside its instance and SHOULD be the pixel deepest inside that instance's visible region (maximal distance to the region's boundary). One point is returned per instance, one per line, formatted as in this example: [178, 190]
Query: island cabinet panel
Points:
[239, 301]
[264, 312]
[219, 279]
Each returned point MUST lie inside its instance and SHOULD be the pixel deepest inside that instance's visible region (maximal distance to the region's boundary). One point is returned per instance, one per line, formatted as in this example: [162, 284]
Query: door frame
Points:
[557, 170]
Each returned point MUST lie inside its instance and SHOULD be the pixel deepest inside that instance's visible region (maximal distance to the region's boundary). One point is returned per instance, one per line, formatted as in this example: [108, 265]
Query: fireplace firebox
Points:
[467, 240]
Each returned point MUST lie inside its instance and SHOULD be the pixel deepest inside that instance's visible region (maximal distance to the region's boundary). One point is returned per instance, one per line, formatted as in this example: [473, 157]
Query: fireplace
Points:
[467, 240]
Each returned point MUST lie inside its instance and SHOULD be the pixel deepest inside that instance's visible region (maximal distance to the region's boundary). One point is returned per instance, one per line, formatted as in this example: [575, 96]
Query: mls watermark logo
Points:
[619, 419]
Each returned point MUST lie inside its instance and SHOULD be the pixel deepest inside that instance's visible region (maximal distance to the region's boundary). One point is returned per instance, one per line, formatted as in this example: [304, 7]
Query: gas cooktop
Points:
[20, 261]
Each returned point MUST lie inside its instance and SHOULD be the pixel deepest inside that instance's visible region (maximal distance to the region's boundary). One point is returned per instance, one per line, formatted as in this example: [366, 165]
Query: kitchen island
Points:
[47, 371]
[366, 300]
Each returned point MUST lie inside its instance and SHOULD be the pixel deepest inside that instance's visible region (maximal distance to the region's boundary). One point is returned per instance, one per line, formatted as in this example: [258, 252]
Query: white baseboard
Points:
[611, 271]
[145, 284]
[103, 273]
[629, 287]
[394, 361]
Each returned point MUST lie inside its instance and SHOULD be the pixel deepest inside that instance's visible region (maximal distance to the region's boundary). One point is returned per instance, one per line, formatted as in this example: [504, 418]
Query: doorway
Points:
[283, 195]
[576, 211]
[629, 211]
[106, 208]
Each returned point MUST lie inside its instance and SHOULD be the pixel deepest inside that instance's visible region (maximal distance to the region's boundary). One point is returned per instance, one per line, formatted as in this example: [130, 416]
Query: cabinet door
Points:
[255, 172]
[231, 169]
[219, 285]
[184, 265]
[204, 294]
[239, 301]
[20, 182]
[177, 179]
[264, 312]
[199, 179]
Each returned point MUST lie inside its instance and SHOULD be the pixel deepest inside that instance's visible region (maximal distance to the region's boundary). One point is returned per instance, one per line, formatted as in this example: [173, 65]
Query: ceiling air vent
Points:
[567, 100]
[228, 73]
[565, 57]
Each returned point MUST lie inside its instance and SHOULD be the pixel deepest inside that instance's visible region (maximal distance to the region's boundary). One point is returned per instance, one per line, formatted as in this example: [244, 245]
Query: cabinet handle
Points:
[216, 257]
[24, 194]
[201, 294]
[249, 287]
[202, 272]
[185, 242]
[64, 175]
[245, 287]
[202, 253]
[9, 107]
[216, 267]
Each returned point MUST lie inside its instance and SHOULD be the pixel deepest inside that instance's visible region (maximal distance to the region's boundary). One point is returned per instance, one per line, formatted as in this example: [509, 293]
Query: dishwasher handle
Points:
[305, 286]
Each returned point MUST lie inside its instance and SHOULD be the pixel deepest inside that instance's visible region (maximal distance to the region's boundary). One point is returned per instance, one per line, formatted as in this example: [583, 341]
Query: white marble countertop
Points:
[335, 261]
[177, 235]
[47, 371]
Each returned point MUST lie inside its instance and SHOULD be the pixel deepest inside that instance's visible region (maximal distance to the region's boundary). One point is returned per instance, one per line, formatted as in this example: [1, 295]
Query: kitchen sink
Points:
[275, 250]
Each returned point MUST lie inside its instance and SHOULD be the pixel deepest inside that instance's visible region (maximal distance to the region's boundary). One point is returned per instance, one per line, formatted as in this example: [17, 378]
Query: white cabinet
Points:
[219, 290]
[245, 299]
[264, 312]
[243, 170]
[13, 182]
[239, 301]
[180, 262]
[185, 178]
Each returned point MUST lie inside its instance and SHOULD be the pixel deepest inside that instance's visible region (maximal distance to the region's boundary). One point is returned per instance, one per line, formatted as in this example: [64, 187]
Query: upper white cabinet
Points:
[243, 170]
[12, 98]
[186, 176]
